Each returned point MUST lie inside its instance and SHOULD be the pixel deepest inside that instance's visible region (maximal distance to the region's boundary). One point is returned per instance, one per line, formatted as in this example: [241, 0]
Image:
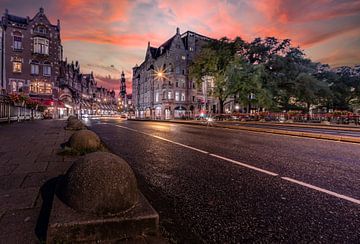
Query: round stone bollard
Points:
[75, 124]
[71, 117]
[100, 183]
[84, 141]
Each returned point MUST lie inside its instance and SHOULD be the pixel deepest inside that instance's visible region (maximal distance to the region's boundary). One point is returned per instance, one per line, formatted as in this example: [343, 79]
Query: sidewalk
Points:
[29, 165]
[28, 158]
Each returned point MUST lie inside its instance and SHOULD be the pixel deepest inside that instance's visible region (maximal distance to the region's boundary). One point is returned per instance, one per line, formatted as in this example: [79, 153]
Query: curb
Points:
[328, 127]
[270, 131]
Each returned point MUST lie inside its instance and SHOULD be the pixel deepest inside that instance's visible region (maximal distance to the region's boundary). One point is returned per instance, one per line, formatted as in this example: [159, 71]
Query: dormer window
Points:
[17, 41]
[41, 45]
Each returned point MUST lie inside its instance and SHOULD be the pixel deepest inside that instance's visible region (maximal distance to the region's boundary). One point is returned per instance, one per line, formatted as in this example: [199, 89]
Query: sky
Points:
[107, 37]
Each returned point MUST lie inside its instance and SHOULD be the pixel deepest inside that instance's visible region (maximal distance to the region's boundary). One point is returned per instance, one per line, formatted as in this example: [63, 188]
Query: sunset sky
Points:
[109, 36]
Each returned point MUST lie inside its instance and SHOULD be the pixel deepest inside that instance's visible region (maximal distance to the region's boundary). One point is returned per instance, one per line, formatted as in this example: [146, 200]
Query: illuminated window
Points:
[183, 57]
[156, 97]
[191, 49]
[40, 87]
[13, 86]
[17, 44]
[182, 96]
[41, 45]
[17, 67]
[169, 95]
[48, 88]
[177, 96]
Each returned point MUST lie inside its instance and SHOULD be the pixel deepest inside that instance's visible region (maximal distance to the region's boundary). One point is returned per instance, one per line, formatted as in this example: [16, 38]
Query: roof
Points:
[17, 19]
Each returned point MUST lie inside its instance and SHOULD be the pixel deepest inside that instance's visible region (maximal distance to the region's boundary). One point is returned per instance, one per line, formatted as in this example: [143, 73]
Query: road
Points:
[214, 185]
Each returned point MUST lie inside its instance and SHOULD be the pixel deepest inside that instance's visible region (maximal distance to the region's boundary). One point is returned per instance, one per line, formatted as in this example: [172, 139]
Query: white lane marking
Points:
[350, 199]
[204, 152]
[244, 165]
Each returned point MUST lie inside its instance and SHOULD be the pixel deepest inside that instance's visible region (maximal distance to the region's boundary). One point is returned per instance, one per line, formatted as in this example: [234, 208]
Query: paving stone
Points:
[12, 181]
[31, 167]
[38, 179]
[7, 169]
[59, 167]
[18, 198]
[19, 226]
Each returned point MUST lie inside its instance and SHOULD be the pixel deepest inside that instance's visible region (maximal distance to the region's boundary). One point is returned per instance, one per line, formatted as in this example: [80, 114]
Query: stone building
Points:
[161, 85]
[31, 53]
[81, 95]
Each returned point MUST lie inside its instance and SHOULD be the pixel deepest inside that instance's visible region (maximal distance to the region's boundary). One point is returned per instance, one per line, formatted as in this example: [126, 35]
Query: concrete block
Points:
[69, 226]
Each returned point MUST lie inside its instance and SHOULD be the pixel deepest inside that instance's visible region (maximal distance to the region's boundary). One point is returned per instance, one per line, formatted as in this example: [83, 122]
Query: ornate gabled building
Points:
[31, 53]
[80, 93]
[161, 85]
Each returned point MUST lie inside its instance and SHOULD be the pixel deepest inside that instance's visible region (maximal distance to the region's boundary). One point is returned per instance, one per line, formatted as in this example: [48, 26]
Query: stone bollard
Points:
[84, 141]
[98, 201]
[74, 123]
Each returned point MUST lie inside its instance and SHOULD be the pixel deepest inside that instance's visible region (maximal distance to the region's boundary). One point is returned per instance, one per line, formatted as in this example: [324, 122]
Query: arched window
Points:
[17, 40]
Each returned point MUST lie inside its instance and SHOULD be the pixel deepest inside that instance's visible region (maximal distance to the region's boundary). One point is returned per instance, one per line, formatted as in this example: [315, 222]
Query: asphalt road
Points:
[213, 185]
[337, 131]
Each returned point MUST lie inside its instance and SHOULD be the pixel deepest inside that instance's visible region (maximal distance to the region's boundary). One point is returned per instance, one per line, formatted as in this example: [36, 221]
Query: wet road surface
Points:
[213, 185]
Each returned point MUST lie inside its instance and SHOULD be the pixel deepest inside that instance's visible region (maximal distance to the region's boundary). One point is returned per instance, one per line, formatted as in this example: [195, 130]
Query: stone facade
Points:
[161, 85]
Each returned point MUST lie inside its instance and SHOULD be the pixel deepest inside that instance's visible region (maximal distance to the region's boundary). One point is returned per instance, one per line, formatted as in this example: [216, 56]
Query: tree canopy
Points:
[272, 74]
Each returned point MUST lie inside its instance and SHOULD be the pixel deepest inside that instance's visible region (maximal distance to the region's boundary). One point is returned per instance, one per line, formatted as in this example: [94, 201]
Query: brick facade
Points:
[31, 55]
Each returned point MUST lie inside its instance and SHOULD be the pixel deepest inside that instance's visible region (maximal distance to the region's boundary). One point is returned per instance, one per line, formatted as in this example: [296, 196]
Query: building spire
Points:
[122, 85]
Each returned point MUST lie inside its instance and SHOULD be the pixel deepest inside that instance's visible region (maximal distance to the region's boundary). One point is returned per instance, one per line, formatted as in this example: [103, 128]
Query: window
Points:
[34, 68]
[193, 98]
[46, 70]
[41, 45]
[13, 86]
[177, 70]
[182, 96]
[20, 86]
[183, 57]
[17, 67]
[40, 87]
[17, 44]
[177, 96]
[177, 84]
[40, 29]
[191, 49]
[169, 95]
[156, 97]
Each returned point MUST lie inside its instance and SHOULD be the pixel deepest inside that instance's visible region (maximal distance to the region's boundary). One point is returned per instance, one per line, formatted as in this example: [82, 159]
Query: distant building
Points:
[80, 94]
[161, 85]
[31, 53]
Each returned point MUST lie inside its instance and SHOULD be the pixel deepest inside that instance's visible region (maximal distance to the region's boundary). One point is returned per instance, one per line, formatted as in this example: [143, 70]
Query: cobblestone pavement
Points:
[28, 159]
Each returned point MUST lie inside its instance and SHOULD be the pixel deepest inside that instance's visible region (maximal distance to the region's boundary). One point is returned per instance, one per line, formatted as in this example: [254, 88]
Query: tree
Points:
[213, 61]
[245, 79]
